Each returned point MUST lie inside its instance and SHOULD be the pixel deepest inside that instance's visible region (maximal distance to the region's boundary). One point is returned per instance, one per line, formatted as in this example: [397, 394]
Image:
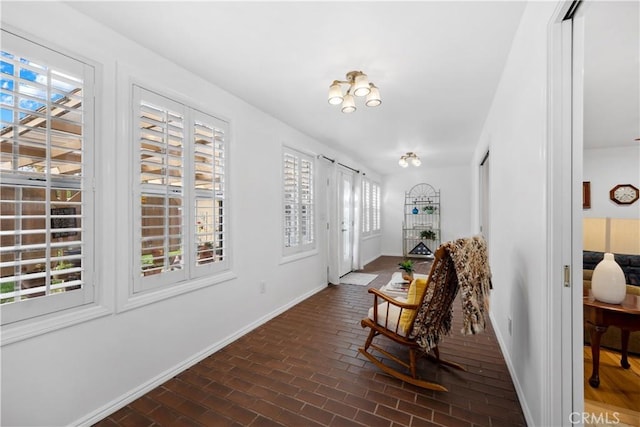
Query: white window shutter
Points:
[45, 165]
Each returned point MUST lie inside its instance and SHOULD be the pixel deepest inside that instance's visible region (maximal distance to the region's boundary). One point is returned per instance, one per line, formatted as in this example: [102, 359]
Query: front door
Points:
[345, 180]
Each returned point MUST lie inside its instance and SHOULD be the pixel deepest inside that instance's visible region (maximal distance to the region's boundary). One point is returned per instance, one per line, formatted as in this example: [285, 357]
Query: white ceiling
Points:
[437, 64]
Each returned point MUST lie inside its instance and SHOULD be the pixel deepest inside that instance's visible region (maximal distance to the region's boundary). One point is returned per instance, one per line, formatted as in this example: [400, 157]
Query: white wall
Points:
[605, 168]
[371, 248]
[455, 202]
[82, 372]
[515, 132]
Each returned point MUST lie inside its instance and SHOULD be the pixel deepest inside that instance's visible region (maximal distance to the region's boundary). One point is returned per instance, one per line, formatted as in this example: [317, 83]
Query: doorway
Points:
[606, 113]
[571, 115]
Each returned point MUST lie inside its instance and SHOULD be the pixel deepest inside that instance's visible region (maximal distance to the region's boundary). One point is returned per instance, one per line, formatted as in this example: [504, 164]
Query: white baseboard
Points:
[514, 378]
[146, 387]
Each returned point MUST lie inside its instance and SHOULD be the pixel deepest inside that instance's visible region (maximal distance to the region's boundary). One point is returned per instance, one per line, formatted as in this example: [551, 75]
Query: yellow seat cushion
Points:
[414, 296]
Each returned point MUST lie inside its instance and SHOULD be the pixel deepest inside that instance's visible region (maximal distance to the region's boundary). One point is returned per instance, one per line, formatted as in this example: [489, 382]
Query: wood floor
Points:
[618, 395]
[303, 368]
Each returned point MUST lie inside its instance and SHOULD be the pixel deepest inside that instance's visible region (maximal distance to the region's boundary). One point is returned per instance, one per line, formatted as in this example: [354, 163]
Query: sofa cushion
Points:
[623, 260]
[587, 274]
[633, 275]
[590, 259]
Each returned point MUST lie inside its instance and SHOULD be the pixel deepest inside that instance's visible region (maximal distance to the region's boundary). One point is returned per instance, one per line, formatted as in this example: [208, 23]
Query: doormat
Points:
[360, 279]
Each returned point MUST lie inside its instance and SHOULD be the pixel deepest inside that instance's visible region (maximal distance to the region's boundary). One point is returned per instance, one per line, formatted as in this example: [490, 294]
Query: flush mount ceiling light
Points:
[409, 157]
[359, 86]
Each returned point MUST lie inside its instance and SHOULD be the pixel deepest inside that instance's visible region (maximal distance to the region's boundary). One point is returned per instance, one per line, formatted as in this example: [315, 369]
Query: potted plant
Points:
[428, 235]
[407, 266]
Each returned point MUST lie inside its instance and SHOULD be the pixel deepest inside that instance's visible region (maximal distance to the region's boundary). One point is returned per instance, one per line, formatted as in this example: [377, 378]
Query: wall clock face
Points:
[624, 194]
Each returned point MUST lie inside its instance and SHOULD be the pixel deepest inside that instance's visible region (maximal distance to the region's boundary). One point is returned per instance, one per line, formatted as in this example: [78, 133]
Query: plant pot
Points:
[407, 276]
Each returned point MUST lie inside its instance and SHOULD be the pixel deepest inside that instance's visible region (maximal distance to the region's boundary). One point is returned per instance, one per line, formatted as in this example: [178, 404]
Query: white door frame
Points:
[563, 387]
[485, 194]
[577, 174]
[345, 265]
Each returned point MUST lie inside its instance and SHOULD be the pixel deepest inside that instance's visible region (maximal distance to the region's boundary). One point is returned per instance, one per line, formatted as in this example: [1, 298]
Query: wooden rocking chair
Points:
[405, 323]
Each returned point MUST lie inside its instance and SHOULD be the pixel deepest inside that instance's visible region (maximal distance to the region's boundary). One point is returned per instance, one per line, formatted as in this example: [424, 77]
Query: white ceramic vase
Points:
[607, 283]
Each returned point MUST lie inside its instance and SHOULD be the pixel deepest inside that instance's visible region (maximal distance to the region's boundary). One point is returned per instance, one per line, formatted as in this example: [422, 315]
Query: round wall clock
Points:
[624, 194]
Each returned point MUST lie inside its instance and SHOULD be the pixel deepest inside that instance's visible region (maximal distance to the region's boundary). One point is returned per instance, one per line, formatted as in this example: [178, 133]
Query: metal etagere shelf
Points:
[421, 227]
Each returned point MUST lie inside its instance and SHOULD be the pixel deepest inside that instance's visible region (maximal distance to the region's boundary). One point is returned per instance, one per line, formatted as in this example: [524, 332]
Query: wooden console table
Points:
[599, 316]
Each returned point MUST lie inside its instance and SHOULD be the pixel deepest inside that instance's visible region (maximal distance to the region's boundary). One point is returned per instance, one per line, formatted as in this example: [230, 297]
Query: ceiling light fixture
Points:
[359, 86]
[409, 157]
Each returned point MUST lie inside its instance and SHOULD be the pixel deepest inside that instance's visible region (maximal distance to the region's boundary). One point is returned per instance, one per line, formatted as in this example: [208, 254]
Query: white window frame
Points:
[53, 304]
[375, 208]
[366, 207]
[294, 240]
[370, 207]
[180, 279]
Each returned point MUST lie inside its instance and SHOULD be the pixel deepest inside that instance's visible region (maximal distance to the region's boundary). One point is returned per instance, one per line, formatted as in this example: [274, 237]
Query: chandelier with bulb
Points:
[359, 86]
[410, 157]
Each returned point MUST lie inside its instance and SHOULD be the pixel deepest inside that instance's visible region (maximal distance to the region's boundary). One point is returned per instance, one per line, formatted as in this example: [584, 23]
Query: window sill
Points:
[373, 235]
[151, 296]
[20, 331]
[298, 256]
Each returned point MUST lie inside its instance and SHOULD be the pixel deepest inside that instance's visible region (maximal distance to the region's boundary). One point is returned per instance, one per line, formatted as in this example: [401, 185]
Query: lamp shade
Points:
[415, 161]
[349, 104]
[403, 162]
[373, 99]
[361, 85]
[335, 94]
[608, 283]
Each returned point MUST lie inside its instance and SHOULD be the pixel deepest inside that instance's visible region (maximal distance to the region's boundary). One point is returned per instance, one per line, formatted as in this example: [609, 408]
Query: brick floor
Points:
[303, 369]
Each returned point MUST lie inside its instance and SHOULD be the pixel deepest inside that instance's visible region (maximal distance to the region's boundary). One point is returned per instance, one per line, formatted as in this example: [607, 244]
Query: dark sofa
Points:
[630, 265]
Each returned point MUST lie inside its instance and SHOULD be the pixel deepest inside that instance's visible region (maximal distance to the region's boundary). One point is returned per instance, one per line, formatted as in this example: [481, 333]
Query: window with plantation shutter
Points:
[298, 202]
[180, 224]
[370, 207]
[161, 139]
[46, 179]
[209, 176]
[366, 206]
[375, 207]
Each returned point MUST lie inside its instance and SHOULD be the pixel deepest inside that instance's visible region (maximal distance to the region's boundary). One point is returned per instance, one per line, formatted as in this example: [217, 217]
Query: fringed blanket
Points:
[465, 267]
[472, 268]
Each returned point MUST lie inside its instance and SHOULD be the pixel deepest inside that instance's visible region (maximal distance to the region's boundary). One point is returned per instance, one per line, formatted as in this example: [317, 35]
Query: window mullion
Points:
[17, 287]
[188, 194]
[49, 152]
[165, 176]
